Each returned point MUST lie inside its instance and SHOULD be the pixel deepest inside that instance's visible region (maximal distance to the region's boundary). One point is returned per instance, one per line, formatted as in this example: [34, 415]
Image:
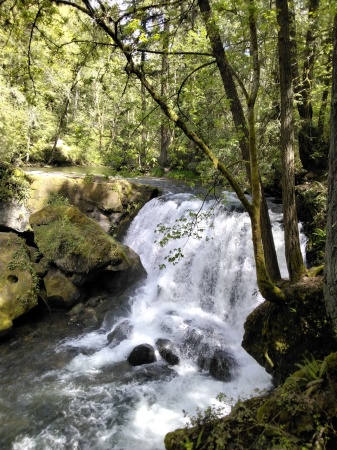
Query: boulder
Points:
[111, 202]
[60, 290]
[18, 281]
[277, 336]
[121, 332]
[142, 354]
[168, 351]
[76, 244]
[219, 362]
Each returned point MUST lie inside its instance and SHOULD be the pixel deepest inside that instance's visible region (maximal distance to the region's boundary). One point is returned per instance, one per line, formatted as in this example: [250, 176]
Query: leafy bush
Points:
[14, 184]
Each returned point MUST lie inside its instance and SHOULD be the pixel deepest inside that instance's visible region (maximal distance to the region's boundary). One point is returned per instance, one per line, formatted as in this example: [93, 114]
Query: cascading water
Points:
[95, 399]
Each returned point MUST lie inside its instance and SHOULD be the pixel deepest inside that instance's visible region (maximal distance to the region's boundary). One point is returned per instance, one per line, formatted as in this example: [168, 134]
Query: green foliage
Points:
[58, 200]
[192, 225]
[313, 369]
[297, 415]
[14, 184]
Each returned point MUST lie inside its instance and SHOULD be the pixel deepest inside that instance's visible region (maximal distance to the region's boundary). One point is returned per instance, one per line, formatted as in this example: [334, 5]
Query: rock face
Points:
[18, 283]
[278, 336]
[110, 202]
[142, 354]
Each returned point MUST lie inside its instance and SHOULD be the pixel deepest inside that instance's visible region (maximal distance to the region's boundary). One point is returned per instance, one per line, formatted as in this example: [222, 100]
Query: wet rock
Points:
[168, 351]
[77, 309]
[142, 354]
[191, 342]
[222, 365]
[219, 362]
[60, 290]
[18, 287]
[121, 332]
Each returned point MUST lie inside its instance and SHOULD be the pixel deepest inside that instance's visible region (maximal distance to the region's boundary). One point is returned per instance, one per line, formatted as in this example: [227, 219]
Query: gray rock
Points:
[168, 351]
[121, 332]
[142, 354]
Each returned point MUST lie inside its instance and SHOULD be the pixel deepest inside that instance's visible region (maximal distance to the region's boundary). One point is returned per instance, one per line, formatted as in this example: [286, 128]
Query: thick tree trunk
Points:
[310, 136]
[291, 234]
[330, 288]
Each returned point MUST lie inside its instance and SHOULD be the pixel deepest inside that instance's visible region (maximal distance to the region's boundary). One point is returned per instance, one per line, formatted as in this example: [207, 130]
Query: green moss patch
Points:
[72, 241]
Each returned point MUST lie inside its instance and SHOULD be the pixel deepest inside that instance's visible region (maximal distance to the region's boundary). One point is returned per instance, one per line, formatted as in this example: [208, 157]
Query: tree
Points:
[292, 241]
[330, 287]
[102, 19]
[247, 132]
[313, 146]
[121, 28]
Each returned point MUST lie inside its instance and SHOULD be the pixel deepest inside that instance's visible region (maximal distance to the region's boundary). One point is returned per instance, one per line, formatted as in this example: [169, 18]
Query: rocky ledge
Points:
[54, 253]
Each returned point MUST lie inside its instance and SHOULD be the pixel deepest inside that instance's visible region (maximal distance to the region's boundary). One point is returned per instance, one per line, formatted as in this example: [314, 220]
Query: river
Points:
[79, 392]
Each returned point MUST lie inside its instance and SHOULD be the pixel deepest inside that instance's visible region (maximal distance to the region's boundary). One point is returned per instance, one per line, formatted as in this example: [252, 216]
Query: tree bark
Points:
[291, 234]
[165, 136]
[240, 123]
[330, 287]
[310, 136]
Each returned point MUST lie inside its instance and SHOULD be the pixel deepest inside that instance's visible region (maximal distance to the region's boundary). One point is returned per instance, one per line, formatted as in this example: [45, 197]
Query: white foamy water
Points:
[97, 401]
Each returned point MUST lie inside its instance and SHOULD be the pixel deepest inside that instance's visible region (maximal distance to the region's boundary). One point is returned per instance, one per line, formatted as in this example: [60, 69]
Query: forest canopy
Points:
[68, 96]
[236, 89]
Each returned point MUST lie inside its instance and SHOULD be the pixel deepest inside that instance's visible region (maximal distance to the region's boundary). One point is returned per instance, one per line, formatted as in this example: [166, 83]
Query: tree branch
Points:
[172, 53]
[185, 80]
[30, 46]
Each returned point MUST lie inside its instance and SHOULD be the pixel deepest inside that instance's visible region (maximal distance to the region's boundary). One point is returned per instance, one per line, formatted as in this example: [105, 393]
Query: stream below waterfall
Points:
[79, 392]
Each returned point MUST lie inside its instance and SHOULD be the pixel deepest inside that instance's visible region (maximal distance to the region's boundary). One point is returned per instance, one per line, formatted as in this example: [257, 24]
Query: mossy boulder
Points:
[75, 243]
[111, 202]
[300, 414]
[277, 336]
[18, 281]
[60, 290]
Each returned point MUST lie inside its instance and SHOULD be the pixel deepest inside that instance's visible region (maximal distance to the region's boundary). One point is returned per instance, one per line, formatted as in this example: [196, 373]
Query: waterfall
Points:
[198, 302]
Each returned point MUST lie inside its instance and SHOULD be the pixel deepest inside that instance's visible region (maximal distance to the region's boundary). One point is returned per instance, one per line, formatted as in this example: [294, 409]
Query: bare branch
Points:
[162, 52]
[73, 5]
[185, 80]
[30, 48]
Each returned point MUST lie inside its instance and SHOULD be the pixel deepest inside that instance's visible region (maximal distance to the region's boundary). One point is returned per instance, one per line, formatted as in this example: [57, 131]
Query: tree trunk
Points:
[143, 144]
[310, 136]
[242, 130]
[165, 136]
[267, 288]
[330, 288]
[291, 234]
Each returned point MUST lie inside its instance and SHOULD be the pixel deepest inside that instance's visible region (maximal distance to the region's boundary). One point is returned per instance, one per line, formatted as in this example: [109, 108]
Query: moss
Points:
[281, 334]
[298, 415]
[64, 233]
[14, 184]
[18, 281]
